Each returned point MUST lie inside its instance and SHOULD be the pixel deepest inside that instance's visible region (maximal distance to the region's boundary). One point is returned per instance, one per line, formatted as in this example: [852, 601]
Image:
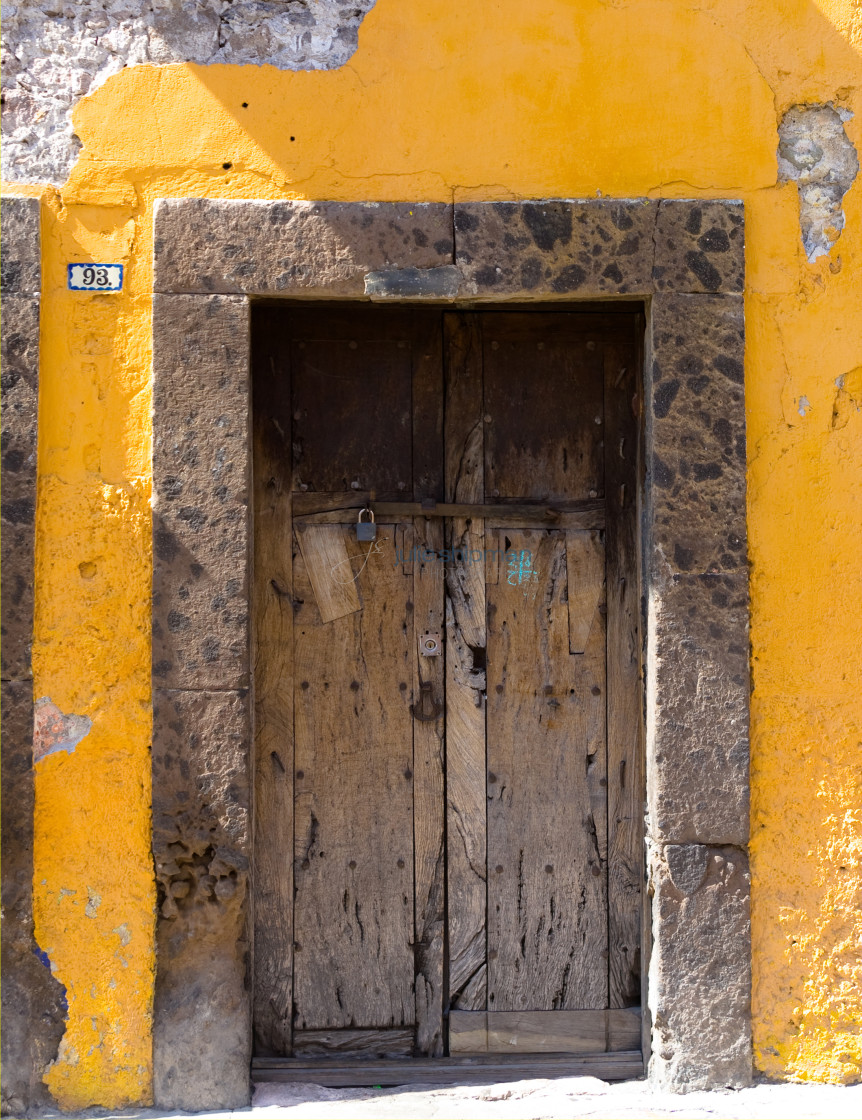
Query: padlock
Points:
[366, 530]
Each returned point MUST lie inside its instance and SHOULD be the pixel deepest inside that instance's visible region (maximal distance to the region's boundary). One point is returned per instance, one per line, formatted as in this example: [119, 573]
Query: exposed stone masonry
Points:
[56, 52]
[815, 152]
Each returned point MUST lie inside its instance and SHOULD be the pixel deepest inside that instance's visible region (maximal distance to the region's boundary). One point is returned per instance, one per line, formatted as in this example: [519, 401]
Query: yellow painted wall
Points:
[467, 99]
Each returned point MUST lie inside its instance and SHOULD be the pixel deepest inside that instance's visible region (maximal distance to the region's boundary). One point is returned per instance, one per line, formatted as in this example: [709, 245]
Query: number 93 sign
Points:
[96, 277]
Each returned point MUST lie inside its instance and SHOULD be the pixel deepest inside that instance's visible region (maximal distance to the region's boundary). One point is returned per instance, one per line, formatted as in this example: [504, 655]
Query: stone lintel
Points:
[555, 249]
[547, 248]
[413, 283]
[294, 248]
[699, 246]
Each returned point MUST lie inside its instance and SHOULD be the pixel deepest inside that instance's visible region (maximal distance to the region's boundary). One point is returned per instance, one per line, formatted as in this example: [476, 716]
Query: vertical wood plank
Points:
[585, 574]
[427, 351]
[465, 668]
[429, 798]
[625, 765]
[353, 908]
[547, 909]
[543, 403]
[272, 636]
[340, 383]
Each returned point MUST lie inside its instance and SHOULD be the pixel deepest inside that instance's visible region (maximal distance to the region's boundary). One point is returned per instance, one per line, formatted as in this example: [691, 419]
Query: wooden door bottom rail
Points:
[478, 1069]
[545, 1032]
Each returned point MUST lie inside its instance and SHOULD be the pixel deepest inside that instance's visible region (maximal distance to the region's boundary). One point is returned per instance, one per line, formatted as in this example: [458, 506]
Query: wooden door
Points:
[544, 790]
[448, 847]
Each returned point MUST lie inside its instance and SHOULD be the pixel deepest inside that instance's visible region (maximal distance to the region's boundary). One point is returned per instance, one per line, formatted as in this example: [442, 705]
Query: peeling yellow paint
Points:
[666, 98]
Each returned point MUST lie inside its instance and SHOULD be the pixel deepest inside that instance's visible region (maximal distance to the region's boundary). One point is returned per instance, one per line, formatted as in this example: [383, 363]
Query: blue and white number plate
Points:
[96, 277]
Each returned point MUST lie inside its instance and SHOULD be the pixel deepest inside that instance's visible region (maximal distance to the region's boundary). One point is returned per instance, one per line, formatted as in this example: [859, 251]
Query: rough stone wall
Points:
[34, 1001]
[55, 53]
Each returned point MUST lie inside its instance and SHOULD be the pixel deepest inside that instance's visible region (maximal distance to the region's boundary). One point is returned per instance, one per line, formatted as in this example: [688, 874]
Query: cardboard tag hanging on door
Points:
[327, 561]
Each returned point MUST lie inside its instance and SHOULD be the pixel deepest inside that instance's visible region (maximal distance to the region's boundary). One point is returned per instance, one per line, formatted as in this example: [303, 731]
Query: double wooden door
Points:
[448, 842]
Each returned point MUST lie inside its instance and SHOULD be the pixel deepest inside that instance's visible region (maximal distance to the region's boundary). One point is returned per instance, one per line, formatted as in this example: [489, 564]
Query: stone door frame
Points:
[684, 259]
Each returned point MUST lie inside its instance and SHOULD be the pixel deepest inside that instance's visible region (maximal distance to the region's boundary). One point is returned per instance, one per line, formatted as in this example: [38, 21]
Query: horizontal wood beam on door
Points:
[574, 515]
[479, 1069]
[544, 1032]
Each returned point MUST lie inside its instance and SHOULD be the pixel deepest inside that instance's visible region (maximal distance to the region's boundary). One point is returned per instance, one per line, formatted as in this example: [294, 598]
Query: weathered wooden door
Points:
[449, 796]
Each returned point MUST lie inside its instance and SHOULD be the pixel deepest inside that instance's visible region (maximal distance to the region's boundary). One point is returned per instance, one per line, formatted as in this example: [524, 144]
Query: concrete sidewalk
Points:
[560, 1099]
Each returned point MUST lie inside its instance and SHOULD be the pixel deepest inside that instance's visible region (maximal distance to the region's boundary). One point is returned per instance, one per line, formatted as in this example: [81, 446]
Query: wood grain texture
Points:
[585, 562]
[544, 1032]
[429, 798]
[547, 917]
[353, 919]
[468, 1032]
[460, 1069]
[272, 650]
[624, 687]
[465, 671]
[543, 407]
[367, 1044]
[340, 441]
[312, 505]
[427, 354]
[624, 1028]
[328, 564]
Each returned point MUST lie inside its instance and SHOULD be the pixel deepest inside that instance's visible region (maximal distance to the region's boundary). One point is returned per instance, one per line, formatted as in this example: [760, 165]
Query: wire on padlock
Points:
[372, 540]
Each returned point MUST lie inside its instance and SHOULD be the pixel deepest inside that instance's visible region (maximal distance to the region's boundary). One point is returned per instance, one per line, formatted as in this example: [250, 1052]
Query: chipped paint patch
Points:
[94, 901]
[53, 731]
[124, 933]
[848, 397]
[804, 406]
[43, 957]
[815, 152]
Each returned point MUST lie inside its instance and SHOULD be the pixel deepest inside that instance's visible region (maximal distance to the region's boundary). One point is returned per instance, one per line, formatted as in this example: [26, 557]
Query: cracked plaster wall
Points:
[479, 102]
[55, 52]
